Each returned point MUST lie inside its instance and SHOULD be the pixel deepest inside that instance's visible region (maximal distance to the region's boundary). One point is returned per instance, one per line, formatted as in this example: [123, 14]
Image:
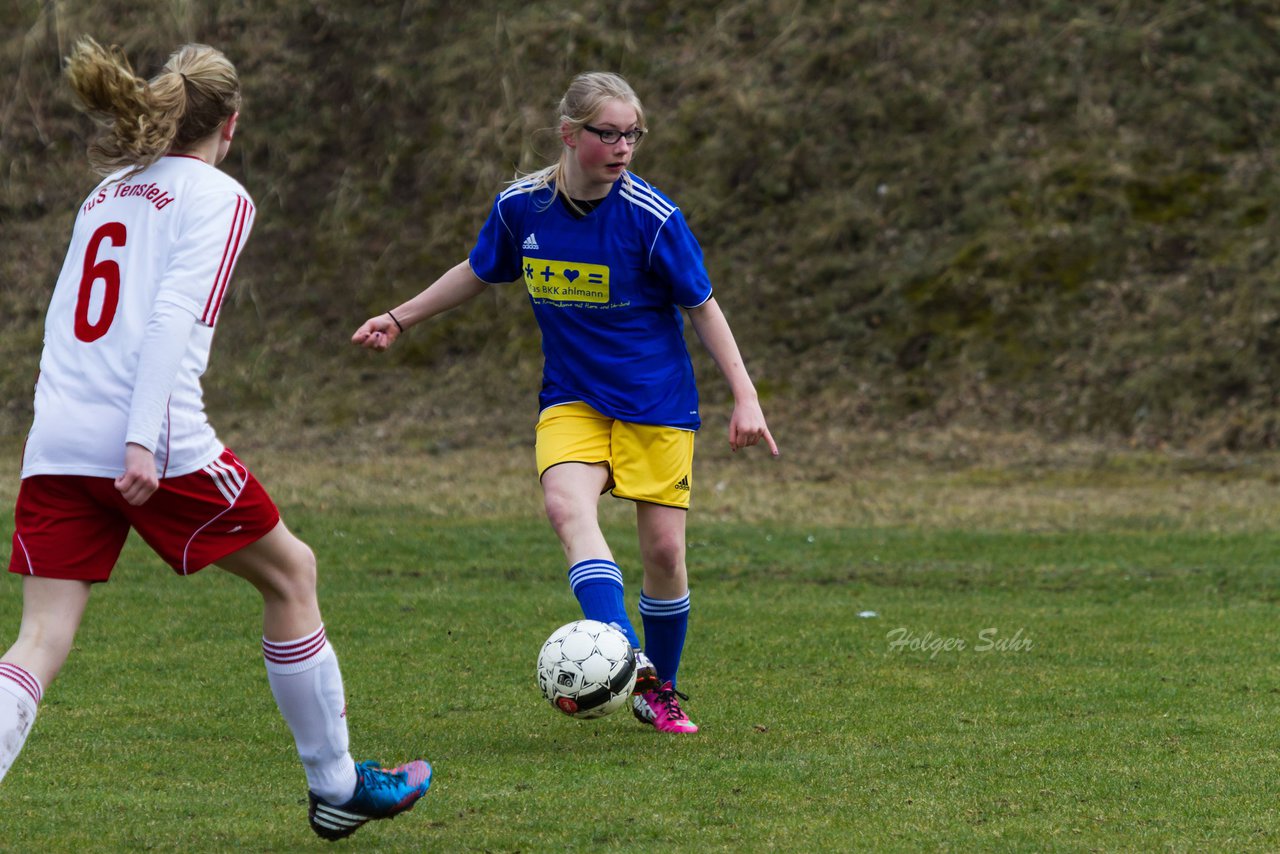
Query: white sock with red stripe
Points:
[20, 694]
[307, 685]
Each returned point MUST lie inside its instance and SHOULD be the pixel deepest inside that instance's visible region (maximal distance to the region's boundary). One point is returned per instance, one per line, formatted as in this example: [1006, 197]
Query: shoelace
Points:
[668, 699]
[376, 778]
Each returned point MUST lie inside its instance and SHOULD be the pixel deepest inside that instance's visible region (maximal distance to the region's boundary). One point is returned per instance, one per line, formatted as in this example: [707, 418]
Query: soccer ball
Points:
[587, 669]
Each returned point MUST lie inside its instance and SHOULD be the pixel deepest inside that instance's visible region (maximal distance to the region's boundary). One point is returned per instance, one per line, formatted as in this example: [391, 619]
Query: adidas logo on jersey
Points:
[531, 242]
[683, 483]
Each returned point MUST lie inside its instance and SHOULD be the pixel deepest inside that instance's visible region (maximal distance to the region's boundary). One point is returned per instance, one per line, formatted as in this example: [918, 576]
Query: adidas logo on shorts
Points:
[531, 242]
[683, 483]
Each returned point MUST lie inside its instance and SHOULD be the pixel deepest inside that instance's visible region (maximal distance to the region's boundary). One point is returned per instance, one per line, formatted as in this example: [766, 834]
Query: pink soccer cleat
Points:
[662, 710]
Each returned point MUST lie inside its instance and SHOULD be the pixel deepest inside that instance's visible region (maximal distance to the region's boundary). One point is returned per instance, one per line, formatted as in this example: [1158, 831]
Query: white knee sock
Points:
[20, 694]
[307, 685]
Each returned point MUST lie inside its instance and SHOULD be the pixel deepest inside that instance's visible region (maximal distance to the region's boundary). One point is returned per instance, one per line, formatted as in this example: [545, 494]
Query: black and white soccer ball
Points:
[587, 669]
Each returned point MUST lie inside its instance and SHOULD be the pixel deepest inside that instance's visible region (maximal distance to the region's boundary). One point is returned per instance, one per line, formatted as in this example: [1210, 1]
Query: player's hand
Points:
[139, 481]
[747, 427]
[376, 333]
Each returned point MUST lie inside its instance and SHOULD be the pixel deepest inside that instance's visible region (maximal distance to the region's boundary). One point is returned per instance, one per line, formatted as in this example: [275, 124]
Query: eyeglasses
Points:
[609, 137]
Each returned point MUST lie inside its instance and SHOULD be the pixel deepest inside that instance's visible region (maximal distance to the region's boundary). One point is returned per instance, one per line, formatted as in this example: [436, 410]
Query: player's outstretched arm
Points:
[452, 289]
[747, 425]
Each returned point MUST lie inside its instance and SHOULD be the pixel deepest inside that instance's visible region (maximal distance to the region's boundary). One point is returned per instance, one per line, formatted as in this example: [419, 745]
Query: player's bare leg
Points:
[661, 532]
[283, 569]
[571, 494]
[307, 684]
[51, 613]
[664, 607]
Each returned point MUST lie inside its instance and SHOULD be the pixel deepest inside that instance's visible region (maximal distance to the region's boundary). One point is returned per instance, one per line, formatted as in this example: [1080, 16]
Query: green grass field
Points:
[1116, 688]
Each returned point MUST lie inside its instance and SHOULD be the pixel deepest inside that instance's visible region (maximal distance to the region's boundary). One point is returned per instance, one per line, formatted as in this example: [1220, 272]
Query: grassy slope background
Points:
[1053, 216]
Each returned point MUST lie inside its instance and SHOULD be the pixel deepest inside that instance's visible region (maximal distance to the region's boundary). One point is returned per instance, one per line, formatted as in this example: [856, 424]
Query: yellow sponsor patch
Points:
[559, 281]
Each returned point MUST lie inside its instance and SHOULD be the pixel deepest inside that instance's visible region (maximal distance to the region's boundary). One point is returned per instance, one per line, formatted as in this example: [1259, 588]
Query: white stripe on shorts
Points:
[230, 481]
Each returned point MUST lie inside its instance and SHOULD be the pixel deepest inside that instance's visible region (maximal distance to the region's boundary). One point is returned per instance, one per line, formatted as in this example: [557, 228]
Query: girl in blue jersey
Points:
[610, 266]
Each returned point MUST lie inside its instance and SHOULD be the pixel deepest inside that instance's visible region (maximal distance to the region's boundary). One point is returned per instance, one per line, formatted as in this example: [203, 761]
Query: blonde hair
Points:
[142, 120]
[582, 102]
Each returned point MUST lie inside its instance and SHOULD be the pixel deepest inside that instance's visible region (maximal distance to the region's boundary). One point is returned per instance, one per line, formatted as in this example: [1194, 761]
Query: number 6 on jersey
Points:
[109, 272]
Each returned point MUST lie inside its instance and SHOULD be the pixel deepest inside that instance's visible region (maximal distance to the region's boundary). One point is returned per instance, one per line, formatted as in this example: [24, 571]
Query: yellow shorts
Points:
[646, 463]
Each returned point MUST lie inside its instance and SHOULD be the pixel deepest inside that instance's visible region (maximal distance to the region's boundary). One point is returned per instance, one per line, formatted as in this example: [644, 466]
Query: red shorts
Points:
[71, 526]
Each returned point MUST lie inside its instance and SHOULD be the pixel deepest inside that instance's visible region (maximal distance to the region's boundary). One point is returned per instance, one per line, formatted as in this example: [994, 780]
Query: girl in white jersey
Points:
[120, 438]
[611, 268]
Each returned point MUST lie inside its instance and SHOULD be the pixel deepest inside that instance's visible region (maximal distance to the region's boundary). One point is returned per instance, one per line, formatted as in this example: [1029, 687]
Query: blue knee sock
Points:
[665, 624]
[598, 585]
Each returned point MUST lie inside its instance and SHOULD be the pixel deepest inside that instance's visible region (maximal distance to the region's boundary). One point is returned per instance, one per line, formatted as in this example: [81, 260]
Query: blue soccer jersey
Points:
[607, 291]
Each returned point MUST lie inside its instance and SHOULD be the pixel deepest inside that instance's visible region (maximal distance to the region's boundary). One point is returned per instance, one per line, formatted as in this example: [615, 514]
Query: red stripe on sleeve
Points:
[226, 280]
[228, 263]
[222, 264]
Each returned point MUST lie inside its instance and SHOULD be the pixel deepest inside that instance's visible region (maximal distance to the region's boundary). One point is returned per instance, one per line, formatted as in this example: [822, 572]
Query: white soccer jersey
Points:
[168, 236]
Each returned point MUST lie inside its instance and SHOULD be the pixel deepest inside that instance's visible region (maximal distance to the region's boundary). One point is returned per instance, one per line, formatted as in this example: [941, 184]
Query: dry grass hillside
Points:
[1056, 217]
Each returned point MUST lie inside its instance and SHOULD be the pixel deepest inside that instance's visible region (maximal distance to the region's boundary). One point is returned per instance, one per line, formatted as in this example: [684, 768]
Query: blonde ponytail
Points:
[143, 120]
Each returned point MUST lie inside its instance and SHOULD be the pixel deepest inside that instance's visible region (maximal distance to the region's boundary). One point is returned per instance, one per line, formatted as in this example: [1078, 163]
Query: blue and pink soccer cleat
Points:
[379, 794]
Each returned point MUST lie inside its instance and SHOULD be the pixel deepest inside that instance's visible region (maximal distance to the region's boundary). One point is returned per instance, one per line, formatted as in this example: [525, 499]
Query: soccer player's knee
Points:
[561, 509]
[293, 576]
[666, 554]
[302, 568]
